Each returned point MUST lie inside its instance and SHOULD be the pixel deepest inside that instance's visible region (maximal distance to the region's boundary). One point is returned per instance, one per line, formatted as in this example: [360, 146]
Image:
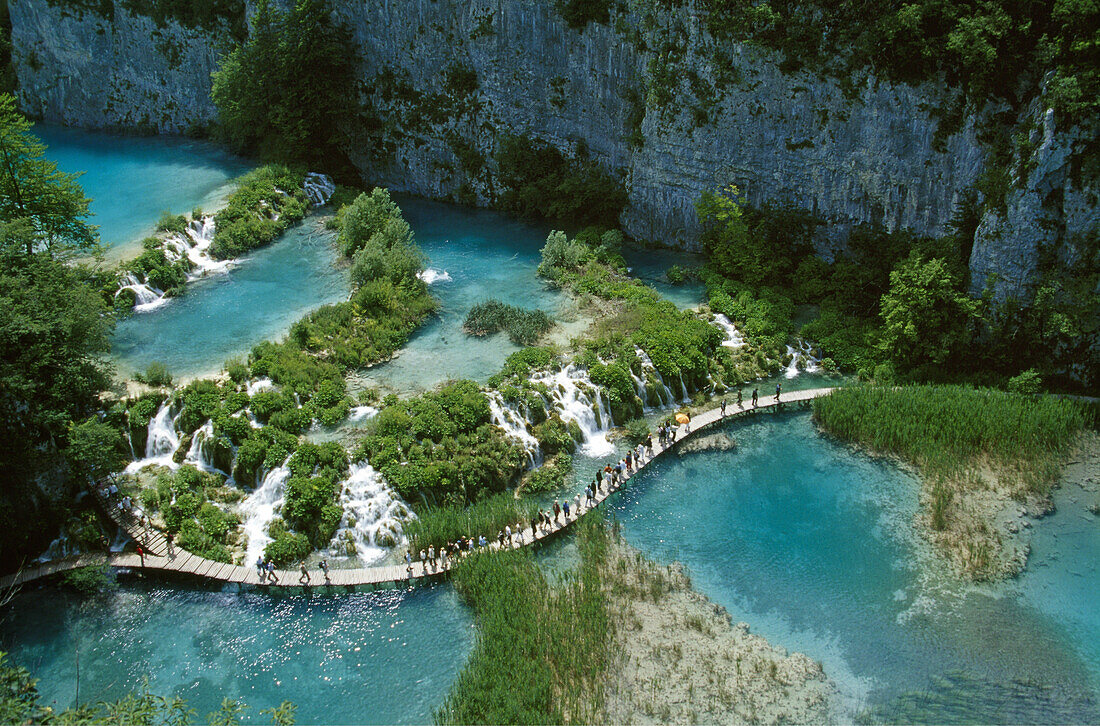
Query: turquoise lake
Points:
[812, 545]
[384, 657]
[132, 179]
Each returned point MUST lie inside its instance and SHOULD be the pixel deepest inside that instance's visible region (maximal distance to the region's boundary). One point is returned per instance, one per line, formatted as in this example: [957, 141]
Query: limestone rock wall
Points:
[77, 68]
[860, 153]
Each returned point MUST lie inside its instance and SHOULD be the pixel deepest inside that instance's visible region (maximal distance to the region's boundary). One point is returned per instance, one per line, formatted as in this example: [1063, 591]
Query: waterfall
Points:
[318, 188]
[200, 232]
[577, 399]
[373, 517]
[734, 339]
[358, 413]
[259, 508]
[146, 298]
[664, 393]
[514, 425]
[200, 455]
[254, 387]
[161, 442]
[432, 275]
[804, 354]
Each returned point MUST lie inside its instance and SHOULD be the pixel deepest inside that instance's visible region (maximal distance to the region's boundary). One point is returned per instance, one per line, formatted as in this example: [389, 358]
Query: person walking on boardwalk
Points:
[565, 508]
[304, 577]
[271, 572]
[739, 404]
[508, 534]
[261, 569]
[577, 503]
[557, 510]
[722, 409]
[777, 389]
[324, 567]
[755, 393]
[408, 562]
[649, 444]
[168, 538]
[431, 555]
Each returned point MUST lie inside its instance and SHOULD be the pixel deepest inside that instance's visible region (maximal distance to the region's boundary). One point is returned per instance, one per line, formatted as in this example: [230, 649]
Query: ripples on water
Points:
[384, 657]
[812, 545]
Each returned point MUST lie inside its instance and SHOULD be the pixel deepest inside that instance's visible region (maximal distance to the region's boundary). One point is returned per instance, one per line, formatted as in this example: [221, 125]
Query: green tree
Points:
[96, 448]
[926, 316]
[283, 92]
[31, 188]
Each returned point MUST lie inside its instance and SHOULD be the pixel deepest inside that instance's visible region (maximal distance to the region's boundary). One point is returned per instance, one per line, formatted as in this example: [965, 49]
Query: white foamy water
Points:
[576, 398]
[734, 339]
[260, 384]
[373, 517]
[259, 508]
[515, 425]
[803, 354]
[358, 413]
[319, 188]
[431, 276]
[161, 441]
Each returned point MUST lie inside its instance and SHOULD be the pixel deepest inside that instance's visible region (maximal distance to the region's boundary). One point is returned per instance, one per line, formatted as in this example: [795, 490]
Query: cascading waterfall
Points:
[373, 517]
[664, 393]
[577, 399]
[804, 354]
[431, 276]
[145, 298]
[201, 455]
[260, 507]
[254, 387]
[515, 425]
[200, 232]
[358, 413]
[319, 188]
[161, 442]
[734, 339]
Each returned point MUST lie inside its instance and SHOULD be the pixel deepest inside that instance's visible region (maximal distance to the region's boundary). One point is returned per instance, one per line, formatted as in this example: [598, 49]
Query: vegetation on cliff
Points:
[283, 93]
[54, 327]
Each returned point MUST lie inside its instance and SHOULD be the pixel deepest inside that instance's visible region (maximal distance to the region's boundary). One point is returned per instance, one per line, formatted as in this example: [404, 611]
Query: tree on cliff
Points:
[53, 327]
[32, 189]
[283, 93]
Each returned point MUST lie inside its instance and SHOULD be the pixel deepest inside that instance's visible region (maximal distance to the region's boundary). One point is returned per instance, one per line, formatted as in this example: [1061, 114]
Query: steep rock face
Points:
[792, 138]
[667, 108]
[124, 72]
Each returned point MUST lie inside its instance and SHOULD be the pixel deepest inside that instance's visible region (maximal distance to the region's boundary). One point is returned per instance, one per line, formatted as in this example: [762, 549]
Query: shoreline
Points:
[677, 657]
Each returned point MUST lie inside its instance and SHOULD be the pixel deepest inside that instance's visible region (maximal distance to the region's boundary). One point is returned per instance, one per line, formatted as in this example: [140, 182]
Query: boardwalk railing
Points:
[159, 556]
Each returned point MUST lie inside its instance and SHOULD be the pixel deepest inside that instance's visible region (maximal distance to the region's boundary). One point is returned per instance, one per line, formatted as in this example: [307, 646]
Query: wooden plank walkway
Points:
[159, 557]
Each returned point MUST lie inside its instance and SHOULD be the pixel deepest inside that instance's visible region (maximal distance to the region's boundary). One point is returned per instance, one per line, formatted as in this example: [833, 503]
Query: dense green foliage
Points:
[542, 652]
[524, 327]
[267, 201]
[53, 329]
[555, 474]
[186, 499]
[541, 182]
[19, 703]
[440, 448]
[438, 526]
[51, 202]
[950, 430]
[311, 492]
[283, 92]
[577, 14]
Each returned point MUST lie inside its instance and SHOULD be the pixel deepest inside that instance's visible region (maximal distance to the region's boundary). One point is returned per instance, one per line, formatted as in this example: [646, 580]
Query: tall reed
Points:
[437, 526]
[949, 431]
[542, 651]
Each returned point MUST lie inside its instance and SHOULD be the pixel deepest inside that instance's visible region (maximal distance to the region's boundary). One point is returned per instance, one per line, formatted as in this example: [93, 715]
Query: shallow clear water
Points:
[132, 179]
[650, 266]
[811, 544]
[224, 315]
[487, 255]
[384, 657]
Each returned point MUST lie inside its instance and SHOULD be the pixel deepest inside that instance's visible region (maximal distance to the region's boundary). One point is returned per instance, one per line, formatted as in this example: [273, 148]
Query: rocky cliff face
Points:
[663, 105]
[78, 68]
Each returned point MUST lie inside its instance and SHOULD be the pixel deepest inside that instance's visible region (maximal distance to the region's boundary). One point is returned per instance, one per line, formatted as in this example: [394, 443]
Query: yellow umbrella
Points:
[682, 418]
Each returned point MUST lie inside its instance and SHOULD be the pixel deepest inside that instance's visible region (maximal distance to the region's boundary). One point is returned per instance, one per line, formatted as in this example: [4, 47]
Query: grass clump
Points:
[948, 431]
[436, 526]
[542, 651]
[524, 327]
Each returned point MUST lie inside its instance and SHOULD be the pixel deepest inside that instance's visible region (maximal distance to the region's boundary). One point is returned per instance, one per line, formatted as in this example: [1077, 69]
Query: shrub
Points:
[156, 374]
[437, 526]
[524, 327]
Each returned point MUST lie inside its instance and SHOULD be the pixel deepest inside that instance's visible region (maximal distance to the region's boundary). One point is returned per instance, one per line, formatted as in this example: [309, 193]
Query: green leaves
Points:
[32, 189]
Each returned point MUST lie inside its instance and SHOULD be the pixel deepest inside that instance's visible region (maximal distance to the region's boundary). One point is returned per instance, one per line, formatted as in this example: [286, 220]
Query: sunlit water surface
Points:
[131, 180]
[384, 657]
[812, 544]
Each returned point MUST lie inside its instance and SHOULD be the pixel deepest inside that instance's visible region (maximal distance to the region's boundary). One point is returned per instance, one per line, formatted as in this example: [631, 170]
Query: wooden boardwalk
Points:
[159, 557]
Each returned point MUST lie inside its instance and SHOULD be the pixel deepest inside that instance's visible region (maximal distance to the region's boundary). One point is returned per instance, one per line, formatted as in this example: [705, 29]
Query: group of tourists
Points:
[265, 570]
